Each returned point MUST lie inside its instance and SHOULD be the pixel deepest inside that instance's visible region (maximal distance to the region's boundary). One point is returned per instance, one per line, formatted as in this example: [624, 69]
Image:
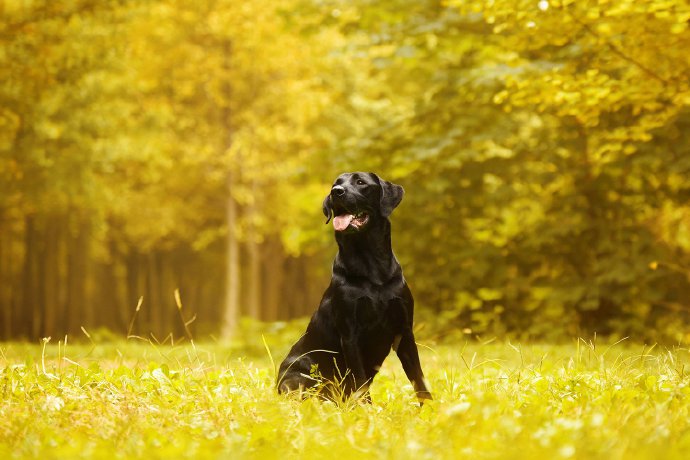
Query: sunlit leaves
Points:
[525, 135]
[543, 143]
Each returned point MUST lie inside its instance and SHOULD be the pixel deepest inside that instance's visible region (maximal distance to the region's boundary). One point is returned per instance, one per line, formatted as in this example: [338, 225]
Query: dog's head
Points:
[356, 199]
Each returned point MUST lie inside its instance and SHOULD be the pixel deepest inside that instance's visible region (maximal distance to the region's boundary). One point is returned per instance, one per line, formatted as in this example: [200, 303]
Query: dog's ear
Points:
[391, 196]
[328, 208]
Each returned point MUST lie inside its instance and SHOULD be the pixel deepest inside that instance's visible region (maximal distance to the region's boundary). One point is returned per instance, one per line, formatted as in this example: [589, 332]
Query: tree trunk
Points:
[134, 291]
[77, 261]
[254, 280]
[62, 305]
[232, 266]
[183, 269]
[302, 287]
[28, 315]
[168, 309]
[15, 273]
[254, 255]
[153, 290]
[5, 283]
[107, 295]
[50, 280]
[274, 270]
[118, 274]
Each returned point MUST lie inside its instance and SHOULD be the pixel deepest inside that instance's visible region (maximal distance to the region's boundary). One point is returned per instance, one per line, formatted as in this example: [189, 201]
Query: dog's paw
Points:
[293, 386]
[424, 396]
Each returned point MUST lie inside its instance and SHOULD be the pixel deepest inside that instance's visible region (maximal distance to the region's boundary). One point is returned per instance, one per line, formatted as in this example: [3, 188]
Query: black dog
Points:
[367, 309]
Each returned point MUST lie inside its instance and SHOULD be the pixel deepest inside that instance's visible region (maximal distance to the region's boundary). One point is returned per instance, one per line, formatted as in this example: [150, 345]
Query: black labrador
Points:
[367, 309]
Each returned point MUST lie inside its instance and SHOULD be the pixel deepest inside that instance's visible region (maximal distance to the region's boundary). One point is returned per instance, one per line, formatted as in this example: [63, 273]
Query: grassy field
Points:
[493, 400]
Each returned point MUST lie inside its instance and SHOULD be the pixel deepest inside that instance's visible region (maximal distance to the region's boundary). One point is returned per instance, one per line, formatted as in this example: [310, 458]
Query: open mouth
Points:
[344, 221]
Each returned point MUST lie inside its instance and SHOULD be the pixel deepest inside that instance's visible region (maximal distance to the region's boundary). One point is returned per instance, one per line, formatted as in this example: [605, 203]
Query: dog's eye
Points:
[360, 182]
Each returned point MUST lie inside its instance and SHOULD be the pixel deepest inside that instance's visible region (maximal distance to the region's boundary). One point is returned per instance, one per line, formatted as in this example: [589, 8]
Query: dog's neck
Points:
[368, 255]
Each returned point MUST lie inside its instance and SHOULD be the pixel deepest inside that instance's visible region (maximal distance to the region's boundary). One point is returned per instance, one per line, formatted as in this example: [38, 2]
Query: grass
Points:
[495, 400]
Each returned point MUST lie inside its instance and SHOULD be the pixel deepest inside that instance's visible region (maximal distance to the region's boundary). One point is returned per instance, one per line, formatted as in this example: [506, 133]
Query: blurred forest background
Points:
[154, 145]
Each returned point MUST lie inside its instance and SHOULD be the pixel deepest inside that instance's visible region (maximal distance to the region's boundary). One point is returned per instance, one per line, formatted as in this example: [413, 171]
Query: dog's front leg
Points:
[348, 329]
[353, 358]
[406, 348]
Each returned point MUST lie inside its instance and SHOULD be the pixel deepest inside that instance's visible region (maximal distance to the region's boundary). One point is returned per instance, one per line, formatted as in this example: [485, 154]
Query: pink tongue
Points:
[340, 223]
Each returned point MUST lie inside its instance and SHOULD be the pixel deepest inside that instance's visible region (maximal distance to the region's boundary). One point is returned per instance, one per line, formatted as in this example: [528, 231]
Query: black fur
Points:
[366, 310]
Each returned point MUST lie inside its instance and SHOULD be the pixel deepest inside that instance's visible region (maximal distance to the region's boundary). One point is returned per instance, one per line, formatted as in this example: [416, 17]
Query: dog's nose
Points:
[337, 190]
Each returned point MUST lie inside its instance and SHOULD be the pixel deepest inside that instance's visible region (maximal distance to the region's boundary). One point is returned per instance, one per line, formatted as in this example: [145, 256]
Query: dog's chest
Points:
[371, 307]
[368, 312]
[376, 312]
